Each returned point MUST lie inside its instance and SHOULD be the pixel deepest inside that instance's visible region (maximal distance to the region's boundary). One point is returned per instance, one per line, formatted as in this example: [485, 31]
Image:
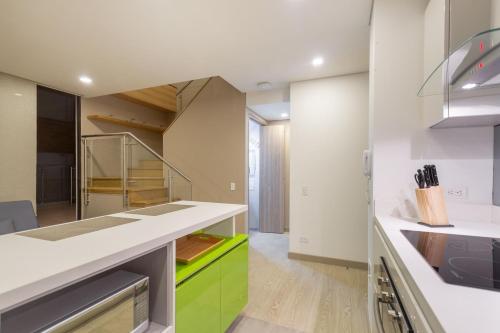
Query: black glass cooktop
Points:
[458, 259]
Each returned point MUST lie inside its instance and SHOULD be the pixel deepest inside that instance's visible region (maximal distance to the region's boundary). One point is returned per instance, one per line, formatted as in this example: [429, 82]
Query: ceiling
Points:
[128, 45]
[273, 111]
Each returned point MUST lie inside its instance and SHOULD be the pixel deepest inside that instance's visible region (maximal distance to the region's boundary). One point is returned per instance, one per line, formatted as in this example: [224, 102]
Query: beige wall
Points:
[207, 143]
[328, 133]
[286, 124]
[109, 105]
[17, 139]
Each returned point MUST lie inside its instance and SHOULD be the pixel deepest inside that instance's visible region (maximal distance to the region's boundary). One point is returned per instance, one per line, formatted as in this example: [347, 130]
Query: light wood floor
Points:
[55, 213]
[289, 296]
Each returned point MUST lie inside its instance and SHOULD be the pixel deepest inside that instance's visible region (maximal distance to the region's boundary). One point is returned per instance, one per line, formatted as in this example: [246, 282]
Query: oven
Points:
[114, 302]
[390, 315]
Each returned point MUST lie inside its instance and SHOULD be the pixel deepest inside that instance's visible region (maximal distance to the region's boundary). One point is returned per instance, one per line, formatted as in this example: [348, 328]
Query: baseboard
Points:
[329, 261]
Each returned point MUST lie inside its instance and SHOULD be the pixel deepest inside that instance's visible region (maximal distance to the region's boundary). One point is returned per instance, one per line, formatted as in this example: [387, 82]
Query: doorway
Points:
[58, 129]
[268, 176]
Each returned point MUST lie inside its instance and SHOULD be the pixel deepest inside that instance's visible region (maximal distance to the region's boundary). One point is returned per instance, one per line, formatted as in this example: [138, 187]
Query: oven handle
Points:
[378, 315]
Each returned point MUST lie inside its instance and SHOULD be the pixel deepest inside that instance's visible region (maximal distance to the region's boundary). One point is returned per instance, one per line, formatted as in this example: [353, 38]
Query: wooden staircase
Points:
[146, 185]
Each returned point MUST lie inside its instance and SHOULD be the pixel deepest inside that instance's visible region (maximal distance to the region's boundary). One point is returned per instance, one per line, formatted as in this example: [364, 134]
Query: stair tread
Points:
[146, 178]
[146, 188]
[145, 168]
[120, 189]
[106, 178]
[105, 189]
[133, 177]
[148, 202]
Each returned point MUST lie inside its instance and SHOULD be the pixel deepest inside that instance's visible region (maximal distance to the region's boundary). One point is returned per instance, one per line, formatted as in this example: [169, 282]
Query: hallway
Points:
[290, 296]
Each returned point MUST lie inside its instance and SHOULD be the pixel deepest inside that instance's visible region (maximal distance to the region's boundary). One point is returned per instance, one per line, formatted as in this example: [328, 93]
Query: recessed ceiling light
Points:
[318, 61]
[284, 115]
[18, 94]
[85, 79]
[469, 86]
[264, 85]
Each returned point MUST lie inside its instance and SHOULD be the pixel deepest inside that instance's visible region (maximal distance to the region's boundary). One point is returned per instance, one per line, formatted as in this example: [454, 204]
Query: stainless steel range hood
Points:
[468, 82]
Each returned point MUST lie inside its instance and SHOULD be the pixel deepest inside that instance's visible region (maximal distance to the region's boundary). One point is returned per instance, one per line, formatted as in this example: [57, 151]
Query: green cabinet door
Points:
[234, 284]
[198, 302]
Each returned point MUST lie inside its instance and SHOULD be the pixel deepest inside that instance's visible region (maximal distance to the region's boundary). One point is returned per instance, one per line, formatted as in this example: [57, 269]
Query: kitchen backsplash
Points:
[464, 161]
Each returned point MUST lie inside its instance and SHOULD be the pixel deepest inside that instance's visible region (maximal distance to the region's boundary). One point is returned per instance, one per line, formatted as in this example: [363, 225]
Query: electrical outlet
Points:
[304, 240]
[457, 193]
[232, 186]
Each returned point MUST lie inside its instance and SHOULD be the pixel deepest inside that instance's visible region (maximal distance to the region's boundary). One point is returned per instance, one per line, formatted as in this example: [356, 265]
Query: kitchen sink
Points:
[159, 210]
[72, 229]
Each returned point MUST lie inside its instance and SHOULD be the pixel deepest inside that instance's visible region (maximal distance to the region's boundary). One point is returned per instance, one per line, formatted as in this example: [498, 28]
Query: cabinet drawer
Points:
[198, 307]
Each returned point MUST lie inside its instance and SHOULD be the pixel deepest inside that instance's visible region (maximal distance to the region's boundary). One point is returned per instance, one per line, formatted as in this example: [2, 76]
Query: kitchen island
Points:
[42, 261]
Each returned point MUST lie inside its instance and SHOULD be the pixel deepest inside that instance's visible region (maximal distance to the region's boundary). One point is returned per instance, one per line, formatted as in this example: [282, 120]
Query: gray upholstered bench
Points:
[17, 216]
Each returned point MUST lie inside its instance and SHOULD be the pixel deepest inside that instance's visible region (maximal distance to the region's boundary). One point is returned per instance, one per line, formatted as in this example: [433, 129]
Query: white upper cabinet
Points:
[461, 63]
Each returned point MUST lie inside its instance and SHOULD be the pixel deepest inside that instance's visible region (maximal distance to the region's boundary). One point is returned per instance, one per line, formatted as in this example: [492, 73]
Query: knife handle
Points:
[434, 175]
[427, 177]
[417, 180]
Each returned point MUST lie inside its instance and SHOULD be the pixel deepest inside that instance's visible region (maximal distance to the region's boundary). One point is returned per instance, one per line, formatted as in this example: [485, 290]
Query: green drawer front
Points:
[198, 307]
[234, 284]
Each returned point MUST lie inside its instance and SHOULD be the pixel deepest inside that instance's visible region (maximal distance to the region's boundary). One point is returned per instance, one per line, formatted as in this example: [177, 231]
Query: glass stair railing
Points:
[188, 92]
[471, 70]
[121, 173]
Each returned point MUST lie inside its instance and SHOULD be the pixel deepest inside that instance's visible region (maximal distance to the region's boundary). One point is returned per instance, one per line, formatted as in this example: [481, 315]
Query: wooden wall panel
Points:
[162, 98]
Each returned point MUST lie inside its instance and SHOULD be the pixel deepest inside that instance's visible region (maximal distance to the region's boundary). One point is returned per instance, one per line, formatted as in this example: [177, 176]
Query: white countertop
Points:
[31, 267]
[457, 308]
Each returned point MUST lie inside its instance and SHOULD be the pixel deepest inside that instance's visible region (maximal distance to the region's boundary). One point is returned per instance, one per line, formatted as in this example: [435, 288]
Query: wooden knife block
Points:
[431, 206]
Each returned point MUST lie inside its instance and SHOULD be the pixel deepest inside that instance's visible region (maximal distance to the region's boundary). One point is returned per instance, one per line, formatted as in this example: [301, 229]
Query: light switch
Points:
[232, 186]
[305, 191]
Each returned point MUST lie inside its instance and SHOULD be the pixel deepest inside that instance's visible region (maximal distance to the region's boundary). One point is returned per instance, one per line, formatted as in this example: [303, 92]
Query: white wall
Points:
[17, 139]
[272, 96]
[328, 132]
[401, 143]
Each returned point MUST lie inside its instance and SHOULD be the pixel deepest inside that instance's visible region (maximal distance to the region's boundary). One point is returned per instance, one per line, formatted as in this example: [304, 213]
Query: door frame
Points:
[78, 169]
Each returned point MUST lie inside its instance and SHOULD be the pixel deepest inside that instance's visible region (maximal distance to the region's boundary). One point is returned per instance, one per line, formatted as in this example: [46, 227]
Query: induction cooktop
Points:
[469, 261]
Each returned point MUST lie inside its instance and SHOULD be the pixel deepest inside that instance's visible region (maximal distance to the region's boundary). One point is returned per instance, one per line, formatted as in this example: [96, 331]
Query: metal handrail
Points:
[143, 145]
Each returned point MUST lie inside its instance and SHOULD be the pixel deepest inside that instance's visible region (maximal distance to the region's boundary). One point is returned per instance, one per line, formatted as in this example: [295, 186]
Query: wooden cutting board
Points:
[190, 247]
